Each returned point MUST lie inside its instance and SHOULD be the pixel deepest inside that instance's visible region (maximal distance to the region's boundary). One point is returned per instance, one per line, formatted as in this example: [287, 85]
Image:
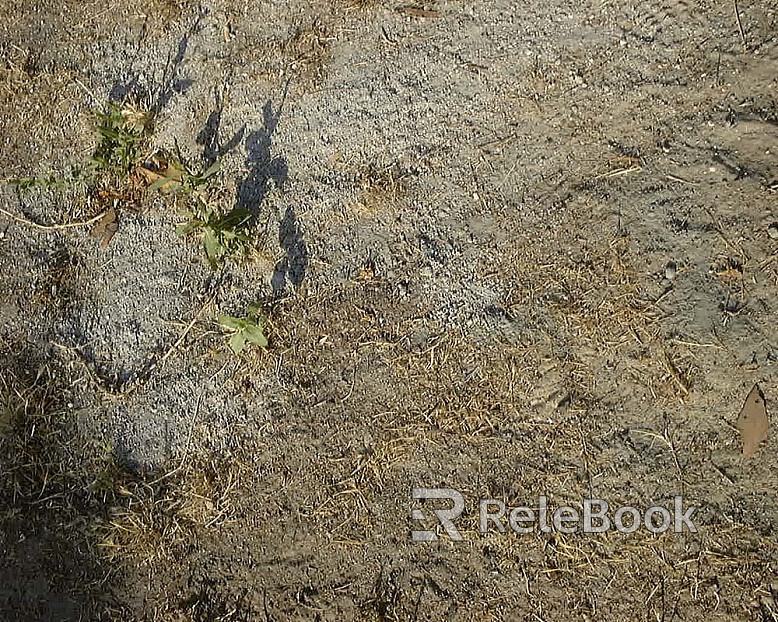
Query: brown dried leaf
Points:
[415, 11]
[148, 176]
[166, 179]
[106, 227]
[752, 421]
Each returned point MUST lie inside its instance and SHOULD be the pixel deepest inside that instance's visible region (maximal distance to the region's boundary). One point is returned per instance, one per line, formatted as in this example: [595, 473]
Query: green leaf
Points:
[255, 335]
[237, 342]
[213, 248]
[214, 168]
[24, 183]
[188, 227]
[237, 217]
[234, 323]
[157, 185]
[166, 185]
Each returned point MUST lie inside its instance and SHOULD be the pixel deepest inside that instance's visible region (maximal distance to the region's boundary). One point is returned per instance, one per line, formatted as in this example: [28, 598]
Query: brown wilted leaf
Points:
[106, 227]
[415, 11]
[752, 421]
[166, 180]
[161, 171]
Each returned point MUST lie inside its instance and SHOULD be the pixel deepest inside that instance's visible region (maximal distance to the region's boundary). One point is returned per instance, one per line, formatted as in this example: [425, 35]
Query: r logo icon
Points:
[444, 516]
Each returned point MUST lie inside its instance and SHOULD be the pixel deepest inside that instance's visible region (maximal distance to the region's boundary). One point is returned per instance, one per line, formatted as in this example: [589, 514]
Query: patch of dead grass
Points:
[152, 519]
[307, 52]
[128, 515]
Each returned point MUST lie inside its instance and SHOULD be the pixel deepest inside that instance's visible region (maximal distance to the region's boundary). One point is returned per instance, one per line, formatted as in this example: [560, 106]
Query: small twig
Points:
[86, 90]
[681, 180]
[740, 27]
[697, 345]
[720, 231]
[144, 376]
[180, 340]
[619, 172]
[351, 390]
[683, 383]
[100, 382]
[93, 17]
[722, 472]
[67, 225]
[187, 446]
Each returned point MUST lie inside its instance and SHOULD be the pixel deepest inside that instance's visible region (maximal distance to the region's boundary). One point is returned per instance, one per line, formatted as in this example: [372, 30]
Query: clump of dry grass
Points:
[359, 481]
[57, 286]
[153, 518]
[663, 573]
[45, 473]
[379, 186]
[307, 51]
[43, 458]
[601, 310]
[129, 515]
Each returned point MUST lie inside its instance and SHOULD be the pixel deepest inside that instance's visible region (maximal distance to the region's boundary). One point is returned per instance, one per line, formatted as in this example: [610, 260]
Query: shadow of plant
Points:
[265, 172]
[292, 267]
[264, 169]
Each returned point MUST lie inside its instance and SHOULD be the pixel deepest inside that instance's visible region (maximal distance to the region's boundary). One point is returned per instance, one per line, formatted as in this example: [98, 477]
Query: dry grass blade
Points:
[418, 11]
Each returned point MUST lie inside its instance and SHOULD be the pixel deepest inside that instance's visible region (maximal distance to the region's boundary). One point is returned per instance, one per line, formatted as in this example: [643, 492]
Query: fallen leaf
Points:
[106, 227]
[166, 180]
[414, 11]
[752, 421]
[162, 172]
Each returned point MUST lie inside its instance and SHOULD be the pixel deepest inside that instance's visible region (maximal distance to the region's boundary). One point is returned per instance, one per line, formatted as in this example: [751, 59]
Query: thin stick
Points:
[619, 172]
[180, 340]
[722, 472]
[740, 27]
[67, 225]
[87, 91]
[681, 180]
[187, 446]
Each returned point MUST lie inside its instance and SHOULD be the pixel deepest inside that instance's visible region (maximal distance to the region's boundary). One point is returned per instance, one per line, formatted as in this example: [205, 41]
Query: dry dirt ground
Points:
[511, 248]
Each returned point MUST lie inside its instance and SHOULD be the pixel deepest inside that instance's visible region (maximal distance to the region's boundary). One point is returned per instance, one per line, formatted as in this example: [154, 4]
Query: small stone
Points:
[772, 231]
[426, 272]
[670, 270]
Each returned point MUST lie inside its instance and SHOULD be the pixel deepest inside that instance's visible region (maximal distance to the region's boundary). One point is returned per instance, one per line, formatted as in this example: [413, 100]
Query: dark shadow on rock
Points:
[172, 83]
[265, 172]
[291, 269]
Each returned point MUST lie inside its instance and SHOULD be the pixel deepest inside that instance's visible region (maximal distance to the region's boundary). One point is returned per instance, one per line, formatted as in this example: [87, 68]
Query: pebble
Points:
[670, 270]
[772, 231]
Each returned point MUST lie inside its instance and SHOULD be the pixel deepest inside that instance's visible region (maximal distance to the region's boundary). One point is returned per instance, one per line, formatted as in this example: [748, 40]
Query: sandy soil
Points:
[510, 248]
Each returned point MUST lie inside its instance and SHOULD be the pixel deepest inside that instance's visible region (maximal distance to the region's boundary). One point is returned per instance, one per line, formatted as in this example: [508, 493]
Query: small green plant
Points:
[176, 178]
[49, 181]
[248, 329]
[223, 235]
[122, 130]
